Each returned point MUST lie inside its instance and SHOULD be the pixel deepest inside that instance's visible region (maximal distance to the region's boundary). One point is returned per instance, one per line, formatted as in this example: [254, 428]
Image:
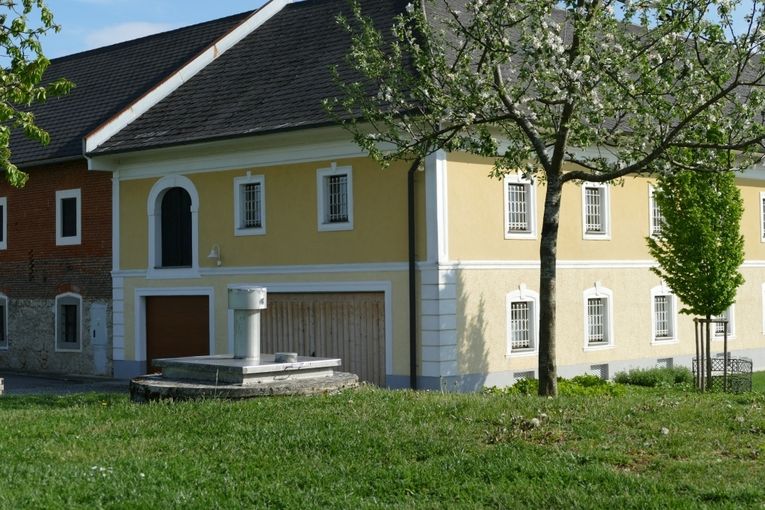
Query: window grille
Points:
[517, 207]
[593, 202]
[664, 363]
[520, 330]
[600, 370]
[662, 309]
[657, 218]
[251, 205]
[337, 198]
[719, 327]
[596, 321]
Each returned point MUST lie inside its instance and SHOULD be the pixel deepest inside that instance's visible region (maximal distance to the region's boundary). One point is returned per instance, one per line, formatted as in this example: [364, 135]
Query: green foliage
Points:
[700, 248]
[656, 377]
[590, 385]
[21, 76]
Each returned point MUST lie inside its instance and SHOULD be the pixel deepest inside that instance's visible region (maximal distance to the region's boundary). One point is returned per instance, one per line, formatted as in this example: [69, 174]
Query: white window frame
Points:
[605, 235]
[154, 214]
[531, 207]
[731, 311]
[68, 240]
[322, 174]
[57, 341]
[652, 206]
[762, 216]
[239, 183]
[598, 291]
[4, 219]
[4, 343]
[663, 290]
[531, 297]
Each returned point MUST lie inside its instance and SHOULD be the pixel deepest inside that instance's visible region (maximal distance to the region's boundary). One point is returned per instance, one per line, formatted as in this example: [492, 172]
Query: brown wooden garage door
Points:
[350, 326]
[176, 326]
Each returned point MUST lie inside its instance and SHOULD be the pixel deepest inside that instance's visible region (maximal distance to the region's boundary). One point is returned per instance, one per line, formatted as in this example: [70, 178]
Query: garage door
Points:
[176, 326]
[349, 326]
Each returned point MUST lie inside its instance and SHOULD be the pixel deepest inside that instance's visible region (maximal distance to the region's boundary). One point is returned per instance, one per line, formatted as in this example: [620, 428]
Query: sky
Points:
[88, 24]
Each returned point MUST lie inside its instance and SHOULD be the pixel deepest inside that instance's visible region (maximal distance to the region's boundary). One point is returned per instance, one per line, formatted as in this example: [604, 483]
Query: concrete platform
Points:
[156, 387]
[225, 369]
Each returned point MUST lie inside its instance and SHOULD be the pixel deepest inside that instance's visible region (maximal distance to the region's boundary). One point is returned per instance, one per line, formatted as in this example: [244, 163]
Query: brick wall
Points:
[33, 267]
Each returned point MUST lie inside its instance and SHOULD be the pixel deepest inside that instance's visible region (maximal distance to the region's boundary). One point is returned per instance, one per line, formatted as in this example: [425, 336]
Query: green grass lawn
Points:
[376, 448]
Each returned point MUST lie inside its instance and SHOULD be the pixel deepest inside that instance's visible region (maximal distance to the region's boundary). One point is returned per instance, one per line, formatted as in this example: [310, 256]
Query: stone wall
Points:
[32, 343]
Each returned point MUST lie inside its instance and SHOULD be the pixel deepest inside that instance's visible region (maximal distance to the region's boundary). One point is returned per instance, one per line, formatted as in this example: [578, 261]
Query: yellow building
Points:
[227, 173]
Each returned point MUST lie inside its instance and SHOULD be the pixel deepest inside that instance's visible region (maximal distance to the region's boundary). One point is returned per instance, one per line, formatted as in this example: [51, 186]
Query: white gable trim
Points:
[163, 89]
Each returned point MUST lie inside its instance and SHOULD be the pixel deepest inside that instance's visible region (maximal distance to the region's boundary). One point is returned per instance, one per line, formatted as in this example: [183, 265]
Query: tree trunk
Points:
[548, 385]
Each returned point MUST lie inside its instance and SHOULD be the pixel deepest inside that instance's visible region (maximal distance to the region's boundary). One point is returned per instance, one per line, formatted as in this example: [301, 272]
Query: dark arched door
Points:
[176, 228]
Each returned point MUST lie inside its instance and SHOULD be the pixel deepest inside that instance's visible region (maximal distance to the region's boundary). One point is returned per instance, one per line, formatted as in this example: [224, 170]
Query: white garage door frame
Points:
[385, 287]
[140, 315]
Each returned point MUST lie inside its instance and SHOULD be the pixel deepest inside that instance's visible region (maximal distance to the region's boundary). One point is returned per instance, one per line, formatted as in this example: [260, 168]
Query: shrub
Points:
[579, 385]
[654, 377]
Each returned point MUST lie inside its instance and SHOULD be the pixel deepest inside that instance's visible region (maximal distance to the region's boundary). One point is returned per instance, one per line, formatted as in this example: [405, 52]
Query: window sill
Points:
[335, 227]
[240, 232]
[521, 235]
[521, 354]
[59, 349]
[66, 241]
[172, 273]
[720, 339]
[596, 237]
[588, 348]
[665, 341]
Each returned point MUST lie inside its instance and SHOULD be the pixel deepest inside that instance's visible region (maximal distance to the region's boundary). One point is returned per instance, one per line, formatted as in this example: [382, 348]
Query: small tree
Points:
[564, 91]
[699, 247]
[21, 74]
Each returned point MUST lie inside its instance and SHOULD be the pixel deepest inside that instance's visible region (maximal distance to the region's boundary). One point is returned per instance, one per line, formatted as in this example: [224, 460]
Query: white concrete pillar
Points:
[246, 303]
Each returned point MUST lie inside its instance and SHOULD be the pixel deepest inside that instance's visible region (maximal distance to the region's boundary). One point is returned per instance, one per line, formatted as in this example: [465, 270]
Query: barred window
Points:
[520, 325]
[762, 216]
[662, 309]
[335, 198]
[596, 321]
[657, 218]
[250, 206]
[718, 328]
[517, 207]
[594, 210]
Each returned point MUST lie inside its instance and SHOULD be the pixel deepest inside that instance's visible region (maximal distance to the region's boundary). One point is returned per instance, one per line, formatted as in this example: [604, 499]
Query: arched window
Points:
[173, 208]
[176, 228]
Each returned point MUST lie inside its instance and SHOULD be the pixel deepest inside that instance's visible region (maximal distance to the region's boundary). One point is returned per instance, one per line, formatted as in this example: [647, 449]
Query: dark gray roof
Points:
[108, 79]
[274, 79]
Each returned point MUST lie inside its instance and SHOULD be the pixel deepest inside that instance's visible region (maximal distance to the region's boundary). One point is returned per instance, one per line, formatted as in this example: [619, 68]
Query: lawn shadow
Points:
[50, 401]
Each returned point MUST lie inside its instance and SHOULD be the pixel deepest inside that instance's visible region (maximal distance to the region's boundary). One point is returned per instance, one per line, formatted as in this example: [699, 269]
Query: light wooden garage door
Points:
[350, 326]
[176, 326]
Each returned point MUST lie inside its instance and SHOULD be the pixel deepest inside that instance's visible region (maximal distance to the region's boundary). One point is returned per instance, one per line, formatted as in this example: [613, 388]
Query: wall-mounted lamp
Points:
[215, 254]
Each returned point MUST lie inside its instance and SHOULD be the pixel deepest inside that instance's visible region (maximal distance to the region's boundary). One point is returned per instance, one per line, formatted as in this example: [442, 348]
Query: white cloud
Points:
[124, 32]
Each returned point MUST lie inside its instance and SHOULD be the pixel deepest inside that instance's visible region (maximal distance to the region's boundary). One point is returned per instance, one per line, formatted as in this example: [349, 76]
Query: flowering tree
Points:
[563, 91]
[21, 72]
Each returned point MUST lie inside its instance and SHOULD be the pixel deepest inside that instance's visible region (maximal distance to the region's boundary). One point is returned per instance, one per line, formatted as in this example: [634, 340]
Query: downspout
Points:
[412, 276]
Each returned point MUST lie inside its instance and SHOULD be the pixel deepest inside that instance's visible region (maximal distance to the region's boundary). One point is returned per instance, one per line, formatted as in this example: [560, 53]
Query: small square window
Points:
[520, 213]
[250, 205]
[595, 211]
[68, 217]
[334, 187]
[3, 223]
[68, 322]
